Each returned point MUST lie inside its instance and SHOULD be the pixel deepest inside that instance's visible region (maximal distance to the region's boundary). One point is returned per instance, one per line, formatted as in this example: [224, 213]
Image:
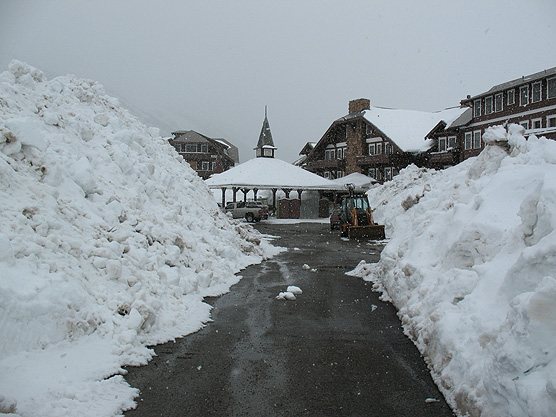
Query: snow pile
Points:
[108, 243]
[290, 293]
[471, 266]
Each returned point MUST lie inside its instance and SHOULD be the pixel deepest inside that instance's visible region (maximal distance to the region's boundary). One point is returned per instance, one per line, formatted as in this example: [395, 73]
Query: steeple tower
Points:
[265, 147]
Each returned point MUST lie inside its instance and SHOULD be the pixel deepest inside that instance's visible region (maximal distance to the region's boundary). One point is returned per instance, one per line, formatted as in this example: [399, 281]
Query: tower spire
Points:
[265, 147]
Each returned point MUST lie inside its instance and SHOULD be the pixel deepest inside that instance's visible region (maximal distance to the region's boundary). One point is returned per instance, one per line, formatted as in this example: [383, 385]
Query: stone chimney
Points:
[359, 105]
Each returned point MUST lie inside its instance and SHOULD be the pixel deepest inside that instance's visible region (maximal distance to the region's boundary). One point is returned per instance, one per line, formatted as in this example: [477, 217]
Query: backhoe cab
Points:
[356, 216]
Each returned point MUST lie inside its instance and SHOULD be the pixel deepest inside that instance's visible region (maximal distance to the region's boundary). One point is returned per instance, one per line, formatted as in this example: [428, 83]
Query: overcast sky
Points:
[212, 66]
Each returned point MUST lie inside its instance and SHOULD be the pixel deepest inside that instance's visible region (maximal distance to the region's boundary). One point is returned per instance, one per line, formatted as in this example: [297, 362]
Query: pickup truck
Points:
[250, 211]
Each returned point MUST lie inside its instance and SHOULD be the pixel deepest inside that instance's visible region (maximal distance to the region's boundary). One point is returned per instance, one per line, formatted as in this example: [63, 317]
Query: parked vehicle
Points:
[250, 211]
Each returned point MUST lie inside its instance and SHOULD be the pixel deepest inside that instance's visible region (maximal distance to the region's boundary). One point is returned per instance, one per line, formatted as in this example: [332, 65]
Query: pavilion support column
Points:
[335, 198]
[274, 190]
[223, 196]
[299, 196]
[287, 191]
[245, 191]
[255, 191]
[235, 190]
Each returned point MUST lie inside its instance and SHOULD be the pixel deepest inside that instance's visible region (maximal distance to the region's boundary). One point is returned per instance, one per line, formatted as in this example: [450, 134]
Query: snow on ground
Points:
[471, 267]
[108, 243]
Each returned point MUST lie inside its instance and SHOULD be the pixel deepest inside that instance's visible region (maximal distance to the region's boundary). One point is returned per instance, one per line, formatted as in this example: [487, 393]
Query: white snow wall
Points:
[471, 266]
[104, 230]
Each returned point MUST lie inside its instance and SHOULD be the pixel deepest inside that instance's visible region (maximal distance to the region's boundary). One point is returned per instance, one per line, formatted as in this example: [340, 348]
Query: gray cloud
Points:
[213, 65]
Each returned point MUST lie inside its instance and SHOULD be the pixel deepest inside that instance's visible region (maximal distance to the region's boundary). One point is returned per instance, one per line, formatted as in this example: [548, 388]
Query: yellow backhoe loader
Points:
[356, 217]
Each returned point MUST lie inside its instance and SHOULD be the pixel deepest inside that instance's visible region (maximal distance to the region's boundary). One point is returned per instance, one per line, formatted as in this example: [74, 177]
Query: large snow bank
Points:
[108, 242]
[471, 266]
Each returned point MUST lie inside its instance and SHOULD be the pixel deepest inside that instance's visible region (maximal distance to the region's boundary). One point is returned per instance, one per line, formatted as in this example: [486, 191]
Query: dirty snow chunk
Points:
[286, 295]
[7, 405]
[431, 400]
[294, 290]
[373, 307]
[313, 269]
[305, 266]
[27, 131]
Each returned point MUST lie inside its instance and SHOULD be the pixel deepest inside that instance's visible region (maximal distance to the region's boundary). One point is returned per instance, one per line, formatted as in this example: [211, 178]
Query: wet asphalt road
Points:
[335, 351]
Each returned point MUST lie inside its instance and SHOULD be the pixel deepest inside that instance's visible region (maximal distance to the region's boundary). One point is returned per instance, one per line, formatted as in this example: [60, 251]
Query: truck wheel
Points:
[249, 217]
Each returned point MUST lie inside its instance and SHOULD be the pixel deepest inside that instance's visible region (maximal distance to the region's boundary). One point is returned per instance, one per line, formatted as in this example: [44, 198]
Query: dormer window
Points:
[477, 108]
[536, 92]
[488, 105]
[551, 88]
[511, 96]
[524, 95]
[498, 102]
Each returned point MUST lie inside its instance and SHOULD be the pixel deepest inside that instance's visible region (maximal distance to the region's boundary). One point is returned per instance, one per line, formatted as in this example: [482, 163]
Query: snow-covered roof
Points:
[514, 83]
[226, 145]
[409, 128]
[270, 173]
[360, 181]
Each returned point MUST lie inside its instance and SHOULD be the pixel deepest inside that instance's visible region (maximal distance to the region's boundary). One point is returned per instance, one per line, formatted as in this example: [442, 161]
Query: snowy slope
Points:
[471, 266]
[108, 242]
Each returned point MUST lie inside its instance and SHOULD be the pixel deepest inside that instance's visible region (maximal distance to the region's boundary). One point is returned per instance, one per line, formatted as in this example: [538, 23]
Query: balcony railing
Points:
[326, 163]
[374, 159]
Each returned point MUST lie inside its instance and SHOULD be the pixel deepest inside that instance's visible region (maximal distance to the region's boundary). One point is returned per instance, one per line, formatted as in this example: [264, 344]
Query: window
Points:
[551, 88]
[387, 173]
[536, 123]
[524, 95]
[441, 144]
[378, 176]
[498, 102]
[371, 172]
[551, 121]
[213, 166]
[327, 174]
[388, 148]
[536, 92]
[205, 166]
[340, 153]
[339, 174]
[451, 142]
[190, 148]
[329, 154]
[468, 140]
[204, 148]
[488, 105]
[525, 124]
[368, 130]
[477, 139]
[379, 148]
[372, 149]
[477, 108]
[511, 96]
[178, 147]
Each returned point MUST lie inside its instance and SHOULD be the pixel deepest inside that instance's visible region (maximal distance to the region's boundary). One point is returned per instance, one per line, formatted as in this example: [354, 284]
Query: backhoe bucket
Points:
[375, 232]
